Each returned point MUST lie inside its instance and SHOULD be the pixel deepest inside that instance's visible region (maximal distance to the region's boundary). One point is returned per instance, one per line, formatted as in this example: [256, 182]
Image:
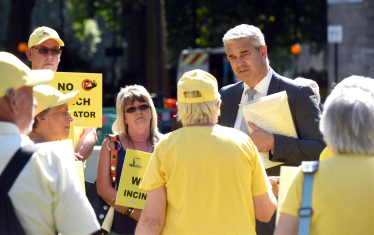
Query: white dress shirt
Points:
[262, 90]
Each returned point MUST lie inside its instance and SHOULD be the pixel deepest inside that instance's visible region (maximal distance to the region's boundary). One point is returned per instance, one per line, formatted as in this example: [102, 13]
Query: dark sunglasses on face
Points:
[44, 51]
[141, 108]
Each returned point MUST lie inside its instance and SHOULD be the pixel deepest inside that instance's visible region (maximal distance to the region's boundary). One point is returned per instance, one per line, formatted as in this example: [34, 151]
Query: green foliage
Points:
[88, 30]
[283, 22]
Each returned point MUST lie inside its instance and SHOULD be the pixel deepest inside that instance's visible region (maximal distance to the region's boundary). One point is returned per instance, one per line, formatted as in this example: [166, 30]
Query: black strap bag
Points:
[9, 223]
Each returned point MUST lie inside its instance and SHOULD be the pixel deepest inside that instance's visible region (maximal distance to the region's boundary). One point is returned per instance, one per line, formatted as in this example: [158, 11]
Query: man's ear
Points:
[28, 53]
[13, 102]
[263, 51]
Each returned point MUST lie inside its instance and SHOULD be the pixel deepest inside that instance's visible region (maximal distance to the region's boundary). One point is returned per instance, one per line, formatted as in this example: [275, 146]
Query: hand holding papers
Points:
[129, 194]
[272, 114]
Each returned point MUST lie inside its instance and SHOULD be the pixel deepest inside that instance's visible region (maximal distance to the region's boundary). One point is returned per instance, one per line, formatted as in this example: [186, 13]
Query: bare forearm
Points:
[136, 215]
[153, 215]
[107, 193]
[86, 143]
[148, 226]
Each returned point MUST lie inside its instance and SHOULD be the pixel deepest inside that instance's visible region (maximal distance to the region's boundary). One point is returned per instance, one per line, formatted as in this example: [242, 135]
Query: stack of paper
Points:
[271, 113]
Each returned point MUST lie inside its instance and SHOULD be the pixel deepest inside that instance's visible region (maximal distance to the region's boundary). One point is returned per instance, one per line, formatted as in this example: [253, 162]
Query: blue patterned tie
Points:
[251, 95]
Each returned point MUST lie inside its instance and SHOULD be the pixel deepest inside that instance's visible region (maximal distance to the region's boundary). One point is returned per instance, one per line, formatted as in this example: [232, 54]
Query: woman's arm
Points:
[103, 181]
[287, 225]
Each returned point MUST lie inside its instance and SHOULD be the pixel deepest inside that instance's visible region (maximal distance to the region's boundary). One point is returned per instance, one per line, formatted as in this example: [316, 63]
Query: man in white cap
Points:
[52, 119]
[46, 195]
[44, 52]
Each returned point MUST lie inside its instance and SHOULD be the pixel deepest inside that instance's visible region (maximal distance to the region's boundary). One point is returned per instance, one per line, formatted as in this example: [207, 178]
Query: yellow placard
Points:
[71, 134]
[88, 109]
[286, 173]
[129, 194]
[79, 168]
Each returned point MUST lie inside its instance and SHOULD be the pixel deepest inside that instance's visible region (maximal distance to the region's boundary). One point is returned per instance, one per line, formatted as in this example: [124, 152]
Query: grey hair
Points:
[347, 121]
[312, 84]
[126, 96]
[245, 31]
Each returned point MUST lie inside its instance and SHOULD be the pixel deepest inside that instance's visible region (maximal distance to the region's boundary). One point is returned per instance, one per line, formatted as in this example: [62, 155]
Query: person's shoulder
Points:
[231, 87]
[48, 156]
[288, 82]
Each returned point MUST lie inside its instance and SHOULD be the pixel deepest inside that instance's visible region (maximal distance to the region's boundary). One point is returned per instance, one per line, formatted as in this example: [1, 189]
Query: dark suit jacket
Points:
[305, 113]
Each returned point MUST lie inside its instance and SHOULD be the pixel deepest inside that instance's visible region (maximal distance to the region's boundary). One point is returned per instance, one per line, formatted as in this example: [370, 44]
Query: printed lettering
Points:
[85, 114]
[86, 101]
[139, 195]
[61, 86]
[136, 180]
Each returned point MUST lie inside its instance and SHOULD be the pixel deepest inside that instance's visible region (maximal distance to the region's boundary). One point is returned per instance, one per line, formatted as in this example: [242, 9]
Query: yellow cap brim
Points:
[53, 101]
[68, 98]
[39, 77]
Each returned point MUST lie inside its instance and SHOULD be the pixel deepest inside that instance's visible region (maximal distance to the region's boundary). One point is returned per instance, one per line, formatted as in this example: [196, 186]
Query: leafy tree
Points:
[202, 23]
[135, 22]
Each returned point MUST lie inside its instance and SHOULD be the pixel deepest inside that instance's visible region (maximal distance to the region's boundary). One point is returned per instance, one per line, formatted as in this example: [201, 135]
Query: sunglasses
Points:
[141, 108]
[44, 51]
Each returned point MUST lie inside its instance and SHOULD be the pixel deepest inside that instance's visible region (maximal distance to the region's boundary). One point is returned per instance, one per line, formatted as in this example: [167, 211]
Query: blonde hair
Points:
[126, 96]
[198, 113]
[312, 84]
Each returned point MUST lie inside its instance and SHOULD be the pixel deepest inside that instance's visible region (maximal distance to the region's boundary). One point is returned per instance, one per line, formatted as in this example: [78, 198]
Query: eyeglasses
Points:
[44, 51]
[141, 108]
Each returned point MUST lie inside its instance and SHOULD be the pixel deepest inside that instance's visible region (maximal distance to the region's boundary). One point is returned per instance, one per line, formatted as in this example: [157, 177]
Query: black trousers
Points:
[266, 228]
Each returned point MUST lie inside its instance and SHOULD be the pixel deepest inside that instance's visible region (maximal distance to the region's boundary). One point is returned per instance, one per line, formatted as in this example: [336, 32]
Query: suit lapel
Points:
[234, 101]
[274, 84]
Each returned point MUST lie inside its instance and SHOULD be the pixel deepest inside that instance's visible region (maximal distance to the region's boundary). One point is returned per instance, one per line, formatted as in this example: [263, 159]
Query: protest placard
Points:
[129, 194]
[88, 108]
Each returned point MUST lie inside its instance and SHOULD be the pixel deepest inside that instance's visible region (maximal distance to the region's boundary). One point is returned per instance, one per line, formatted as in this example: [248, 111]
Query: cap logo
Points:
[44, 34]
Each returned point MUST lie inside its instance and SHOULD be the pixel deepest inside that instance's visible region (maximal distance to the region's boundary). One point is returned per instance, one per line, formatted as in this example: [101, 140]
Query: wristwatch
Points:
[130, 211]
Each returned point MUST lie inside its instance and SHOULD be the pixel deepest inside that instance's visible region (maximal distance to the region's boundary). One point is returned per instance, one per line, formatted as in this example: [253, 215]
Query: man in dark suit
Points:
[246, 50]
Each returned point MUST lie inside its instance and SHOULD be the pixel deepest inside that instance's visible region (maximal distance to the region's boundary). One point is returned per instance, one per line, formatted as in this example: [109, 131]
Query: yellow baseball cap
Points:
[48, 96]
[15, 74]
[198, 80]
[42, 34]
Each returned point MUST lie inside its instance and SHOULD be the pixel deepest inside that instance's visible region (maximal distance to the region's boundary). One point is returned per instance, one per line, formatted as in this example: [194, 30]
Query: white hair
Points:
[245, 31]
[198, 113]
[347, 121]
[312, 84]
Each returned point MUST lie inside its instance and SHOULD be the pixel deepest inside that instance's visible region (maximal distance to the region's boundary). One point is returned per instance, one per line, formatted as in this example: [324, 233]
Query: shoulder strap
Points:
[113, 157]
[15, 166]
[9, 223]
[306, 211]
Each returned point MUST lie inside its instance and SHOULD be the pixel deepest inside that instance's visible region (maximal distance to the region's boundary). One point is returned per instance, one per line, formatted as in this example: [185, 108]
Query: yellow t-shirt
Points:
[343, 196]
[211, 174]
[326, 153]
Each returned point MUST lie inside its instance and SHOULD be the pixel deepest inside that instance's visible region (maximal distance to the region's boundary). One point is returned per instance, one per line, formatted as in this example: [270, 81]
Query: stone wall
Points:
[356, 52]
